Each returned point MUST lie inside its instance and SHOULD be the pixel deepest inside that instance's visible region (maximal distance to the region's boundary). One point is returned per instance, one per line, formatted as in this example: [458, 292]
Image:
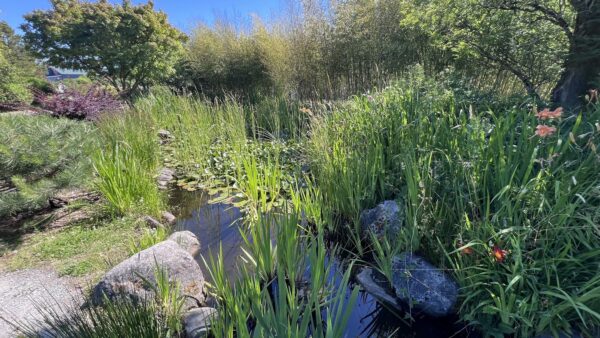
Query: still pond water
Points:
[217, 224]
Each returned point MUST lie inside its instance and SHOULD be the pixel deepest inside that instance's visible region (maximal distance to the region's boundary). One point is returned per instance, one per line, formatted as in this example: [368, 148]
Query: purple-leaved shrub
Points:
[89, 105]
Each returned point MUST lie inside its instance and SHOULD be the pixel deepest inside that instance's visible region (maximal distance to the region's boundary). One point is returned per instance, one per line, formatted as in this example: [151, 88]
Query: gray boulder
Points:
[125, 279]
[418, 283]
[387, 218]
[187, 241]
[197, 322]
[415, 283]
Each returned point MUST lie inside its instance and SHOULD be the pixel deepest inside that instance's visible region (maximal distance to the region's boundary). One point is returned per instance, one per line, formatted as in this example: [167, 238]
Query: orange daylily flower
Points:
[467, 251]
[550, 114]
[544, 131]
[499, 254]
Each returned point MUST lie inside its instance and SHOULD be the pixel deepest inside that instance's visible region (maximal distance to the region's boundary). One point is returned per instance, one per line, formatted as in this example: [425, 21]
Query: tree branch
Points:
[534, 7]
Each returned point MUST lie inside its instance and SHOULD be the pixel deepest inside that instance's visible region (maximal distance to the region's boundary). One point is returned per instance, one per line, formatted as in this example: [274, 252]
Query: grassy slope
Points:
[42, 155]
[86, 249]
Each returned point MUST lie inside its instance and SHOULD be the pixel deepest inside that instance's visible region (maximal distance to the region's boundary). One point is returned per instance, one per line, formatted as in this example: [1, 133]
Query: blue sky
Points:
[183, 14]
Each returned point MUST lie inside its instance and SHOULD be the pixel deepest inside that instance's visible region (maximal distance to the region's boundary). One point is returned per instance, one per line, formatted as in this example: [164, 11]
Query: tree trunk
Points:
[582, 66]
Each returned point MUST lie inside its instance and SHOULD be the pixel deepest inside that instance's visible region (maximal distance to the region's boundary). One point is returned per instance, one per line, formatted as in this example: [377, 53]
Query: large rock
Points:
[197, 322]
[187, 241]
[415, 283]
[387, 218]
[421, 284]
[125, 279]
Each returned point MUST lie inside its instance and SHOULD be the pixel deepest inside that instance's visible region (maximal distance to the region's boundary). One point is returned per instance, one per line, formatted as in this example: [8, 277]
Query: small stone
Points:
[164, 134]
[152, 223]
[197, 322]
[165, 176]
[169, 217]
[187, 241]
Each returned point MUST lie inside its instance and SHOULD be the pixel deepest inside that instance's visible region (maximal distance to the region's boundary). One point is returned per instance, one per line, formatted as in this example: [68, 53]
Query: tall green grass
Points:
[127, 163]
[468, 178]
[285, 288]
[475, 179]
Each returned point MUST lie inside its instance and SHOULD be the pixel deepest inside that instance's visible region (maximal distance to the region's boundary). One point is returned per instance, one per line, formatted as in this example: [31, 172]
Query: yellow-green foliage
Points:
[13, 85]
[309, 52]
[222, 59]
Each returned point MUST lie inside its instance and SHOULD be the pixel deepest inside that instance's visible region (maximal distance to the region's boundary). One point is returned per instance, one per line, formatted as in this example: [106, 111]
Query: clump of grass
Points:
[127, 163]
[85, 249]
[273, 295]
[148, 239]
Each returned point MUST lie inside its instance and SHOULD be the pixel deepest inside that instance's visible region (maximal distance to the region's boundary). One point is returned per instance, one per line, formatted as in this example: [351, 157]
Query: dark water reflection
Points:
[218, 224]
[215, 225]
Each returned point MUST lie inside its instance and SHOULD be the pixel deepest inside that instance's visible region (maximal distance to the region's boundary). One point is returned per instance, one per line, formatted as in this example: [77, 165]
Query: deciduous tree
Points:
[128, 46]
[541, 42]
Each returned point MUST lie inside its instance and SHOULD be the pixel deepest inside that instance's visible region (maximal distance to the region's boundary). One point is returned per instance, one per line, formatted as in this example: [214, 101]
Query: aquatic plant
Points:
[481, 179]
[127, 163]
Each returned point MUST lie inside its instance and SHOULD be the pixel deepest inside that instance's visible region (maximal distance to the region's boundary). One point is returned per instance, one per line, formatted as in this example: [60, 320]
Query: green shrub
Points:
[41, 155]
[13, 85]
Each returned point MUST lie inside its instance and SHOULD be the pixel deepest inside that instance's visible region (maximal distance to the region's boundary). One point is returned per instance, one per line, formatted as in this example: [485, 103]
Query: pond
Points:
[217, 224]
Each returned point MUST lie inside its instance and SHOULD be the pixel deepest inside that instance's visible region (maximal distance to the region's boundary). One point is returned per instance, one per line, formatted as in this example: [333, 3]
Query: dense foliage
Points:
[543, 43]
[127, 46]
[311, 51]
[16, 67]
[547, 48]
[39, 156]
[451, 117]
[473, 182]
[508, 179]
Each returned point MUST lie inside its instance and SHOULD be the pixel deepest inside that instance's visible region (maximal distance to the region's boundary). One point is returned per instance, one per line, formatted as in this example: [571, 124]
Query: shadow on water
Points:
[217, 224]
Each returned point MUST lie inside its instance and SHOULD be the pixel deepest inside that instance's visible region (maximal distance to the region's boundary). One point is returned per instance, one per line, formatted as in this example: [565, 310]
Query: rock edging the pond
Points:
[187, 241]
[414, 283]
[386, 219]
[128, 277]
